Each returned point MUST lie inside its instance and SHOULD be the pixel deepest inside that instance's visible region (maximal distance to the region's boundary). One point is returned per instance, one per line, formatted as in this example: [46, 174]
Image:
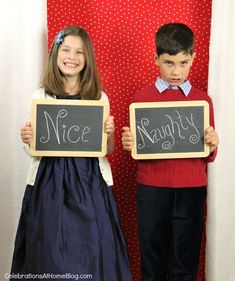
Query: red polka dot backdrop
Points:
[123, 34]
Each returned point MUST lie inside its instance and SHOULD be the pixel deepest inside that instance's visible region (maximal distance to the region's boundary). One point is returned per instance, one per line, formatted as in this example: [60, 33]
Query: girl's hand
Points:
[211, 138]
[109, 126]
[109, 129]
[127, 139]
[27, 133]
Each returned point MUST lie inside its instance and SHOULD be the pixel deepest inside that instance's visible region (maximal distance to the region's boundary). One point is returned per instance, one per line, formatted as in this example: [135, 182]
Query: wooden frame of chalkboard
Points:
[69, 128]
[164, 130]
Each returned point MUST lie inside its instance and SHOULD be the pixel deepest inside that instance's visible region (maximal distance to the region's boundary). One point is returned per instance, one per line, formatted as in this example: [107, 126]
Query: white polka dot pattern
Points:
[123, 34]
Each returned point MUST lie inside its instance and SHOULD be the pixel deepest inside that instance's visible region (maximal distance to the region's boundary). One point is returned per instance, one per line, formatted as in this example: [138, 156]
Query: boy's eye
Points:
[168, 62]
[183, 63]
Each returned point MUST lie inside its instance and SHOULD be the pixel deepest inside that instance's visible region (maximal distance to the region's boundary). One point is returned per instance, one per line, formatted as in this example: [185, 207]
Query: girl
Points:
[69, 222]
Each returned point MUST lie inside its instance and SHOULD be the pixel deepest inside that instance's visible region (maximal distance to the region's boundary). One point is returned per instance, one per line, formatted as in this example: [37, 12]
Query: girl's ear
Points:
[155, 57]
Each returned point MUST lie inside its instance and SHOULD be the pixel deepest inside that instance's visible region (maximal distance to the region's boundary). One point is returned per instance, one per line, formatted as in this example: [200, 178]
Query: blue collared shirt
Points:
[162, 85]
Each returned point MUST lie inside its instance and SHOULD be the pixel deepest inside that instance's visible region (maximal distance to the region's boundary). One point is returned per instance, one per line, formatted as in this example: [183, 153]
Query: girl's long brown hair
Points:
[90, 85]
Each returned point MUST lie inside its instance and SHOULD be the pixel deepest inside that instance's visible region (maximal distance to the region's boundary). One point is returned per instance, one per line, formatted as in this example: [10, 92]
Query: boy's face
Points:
[174, 69]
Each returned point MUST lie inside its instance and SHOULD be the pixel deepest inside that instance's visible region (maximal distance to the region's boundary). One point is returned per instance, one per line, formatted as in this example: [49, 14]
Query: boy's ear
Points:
[193, 57]
[155, 58]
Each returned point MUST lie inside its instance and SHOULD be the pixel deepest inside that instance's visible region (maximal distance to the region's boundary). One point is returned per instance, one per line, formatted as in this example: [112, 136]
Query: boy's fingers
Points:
[209, 130]
[126, 129]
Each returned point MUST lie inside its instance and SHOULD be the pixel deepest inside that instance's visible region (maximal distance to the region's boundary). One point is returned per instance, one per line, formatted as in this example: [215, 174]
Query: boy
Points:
[171, 193]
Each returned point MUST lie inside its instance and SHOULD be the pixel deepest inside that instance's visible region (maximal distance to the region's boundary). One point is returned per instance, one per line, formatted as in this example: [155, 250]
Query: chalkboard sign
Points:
[69, 128]
[169, 129]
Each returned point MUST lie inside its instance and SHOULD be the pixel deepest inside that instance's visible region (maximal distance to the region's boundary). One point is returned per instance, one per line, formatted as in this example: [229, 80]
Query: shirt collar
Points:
[162, 85]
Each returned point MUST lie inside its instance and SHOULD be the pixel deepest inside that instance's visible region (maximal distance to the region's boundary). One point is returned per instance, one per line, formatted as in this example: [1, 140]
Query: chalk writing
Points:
[175, 126]
[63, 132]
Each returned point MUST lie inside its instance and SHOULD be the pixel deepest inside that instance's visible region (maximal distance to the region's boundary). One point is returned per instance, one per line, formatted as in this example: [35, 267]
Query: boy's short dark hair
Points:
[173, 38]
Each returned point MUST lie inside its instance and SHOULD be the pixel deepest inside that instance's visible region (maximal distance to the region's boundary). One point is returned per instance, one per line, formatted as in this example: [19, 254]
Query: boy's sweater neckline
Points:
[161, 85]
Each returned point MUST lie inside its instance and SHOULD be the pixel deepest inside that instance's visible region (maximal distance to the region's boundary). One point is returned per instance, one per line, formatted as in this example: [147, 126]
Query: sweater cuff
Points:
[212, 156]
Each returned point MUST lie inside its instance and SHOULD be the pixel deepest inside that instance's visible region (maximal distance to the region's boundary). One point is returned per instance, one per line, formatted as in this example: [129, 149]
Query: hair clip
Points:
[59, 38]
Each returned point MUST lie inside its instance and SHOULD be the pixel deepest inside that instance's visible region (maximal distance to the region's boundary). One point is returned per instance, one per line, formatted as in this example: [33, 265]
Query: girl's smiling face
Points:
[174, 69]
[71, 59]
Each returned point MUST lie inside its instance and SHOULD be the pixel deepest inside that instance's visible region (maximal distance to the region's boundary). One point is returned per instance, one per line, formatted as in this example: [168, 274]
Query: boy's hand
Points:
[109, 126]
[27, 133]
[211, 138]
[127, 139]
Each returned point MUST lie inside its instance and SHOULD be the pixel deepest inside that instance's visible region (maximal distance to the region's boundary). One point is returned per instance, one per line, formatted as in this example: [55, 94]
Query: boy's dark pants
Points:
[170, 222]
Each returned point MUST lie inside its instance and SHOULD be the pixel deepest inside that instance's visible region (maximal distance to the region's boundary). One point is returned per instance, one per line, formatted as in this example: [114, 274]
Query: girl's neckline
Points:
[76, 96]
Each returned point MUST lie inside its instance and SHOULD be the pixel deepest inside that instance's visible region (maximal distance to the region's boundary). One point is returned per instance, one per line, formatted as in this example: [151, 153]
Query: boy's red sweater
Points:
[174, 173]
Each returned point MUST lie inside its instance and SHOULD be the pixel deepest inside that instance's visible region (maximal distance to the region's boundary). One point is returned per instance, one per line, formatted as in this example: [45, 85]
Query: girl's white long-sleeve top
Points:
[35, 161]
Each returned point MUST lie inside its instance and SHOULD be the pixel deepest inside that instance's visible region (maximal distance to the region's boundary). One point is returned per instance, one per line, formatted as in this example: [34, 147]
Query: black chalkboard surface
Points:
[69, 128]
[169, 129]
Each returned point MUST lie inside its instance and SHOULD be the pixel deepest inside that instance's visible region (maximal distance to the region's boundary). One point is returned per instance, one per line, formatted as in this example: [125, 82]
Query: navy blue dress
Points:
[69, 224]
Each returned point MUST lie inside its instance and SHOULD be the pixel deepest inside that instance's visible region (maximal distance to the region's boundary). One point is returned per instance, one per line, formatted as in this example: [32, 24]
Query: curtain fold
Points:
[22, 51]
[220, 246]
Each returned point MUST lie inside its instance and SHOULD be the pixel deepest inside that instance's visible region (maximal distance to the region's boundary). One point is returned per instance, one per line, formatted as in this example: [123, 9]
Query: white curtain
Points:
[22, 51]
[220, 249]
